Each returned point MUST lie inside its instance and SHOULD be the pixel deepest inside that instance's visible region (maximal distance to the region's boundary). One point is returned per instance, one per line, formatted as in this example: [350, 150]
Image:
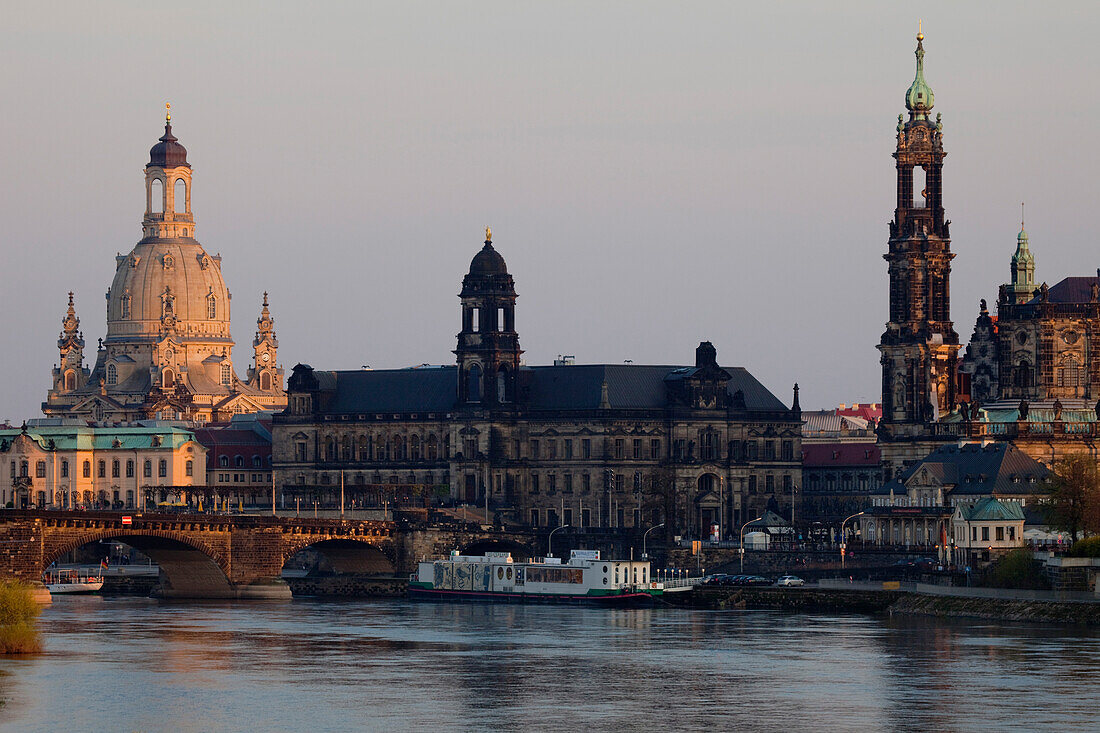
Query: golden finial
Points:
[488, 234]
[167, 113]
[920, 30]
[1021, 215]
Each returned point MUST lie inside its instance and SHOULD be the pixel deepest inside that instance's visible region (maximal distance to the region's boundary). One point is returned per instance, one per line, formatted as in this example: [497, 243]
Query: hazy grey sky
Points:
[655, 174]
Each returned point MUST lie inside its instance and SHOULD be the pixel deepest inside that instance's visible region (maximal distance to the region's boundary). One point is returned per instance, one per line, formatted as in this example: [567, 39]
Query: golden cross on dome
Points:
[488, 234]
[168, 113]
[920, 30]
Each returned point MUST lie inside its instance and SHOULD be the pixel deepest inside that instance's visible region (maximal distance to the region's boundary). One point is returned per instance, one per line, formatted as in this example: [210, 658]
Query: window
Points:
[534, 483]
[769, 450]
[568, 448]
[40, 469]
[1000, 534]
[752, 484]
[637, 481]
[655, 448]
[637, 448]
[709, 446]
[473, 383]
[162, 468]
[223, 461]
[179, 195]
[552, 448]
[1011, 534]
[569, 484]
[985, 534]
[586, 482]
[115, 468]
[788, 450]
[130, 468]
[586, 448]
[567, 516]
[211, 306]
[190, 468]
[112, 374]
[126, 301]
[255, 461]
[619, 447]
[751, 450]
[552, 482]
[788, 485]
[64, 469]
[534, 517]
[87, 469]
[227, 373]
[102, 469]
[535, 449]
[238, 461]
[300, 450]
[23, 469]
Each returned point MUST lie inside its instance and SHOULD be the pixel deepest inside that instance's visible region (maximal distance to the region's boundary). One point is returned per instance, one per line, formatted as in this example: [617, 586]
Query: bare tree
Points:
[1074, 502]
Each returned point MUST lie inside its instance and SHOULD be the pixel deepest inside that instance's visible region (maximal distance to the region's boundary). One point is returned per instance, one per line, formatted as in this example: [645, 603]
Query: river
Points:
[130, 664]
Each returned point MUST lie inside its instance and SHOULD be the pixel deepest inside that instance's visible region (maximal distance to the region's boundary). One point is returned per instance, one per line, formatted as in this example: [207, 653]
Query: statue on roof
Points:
[1057, 409]
[1024, 407]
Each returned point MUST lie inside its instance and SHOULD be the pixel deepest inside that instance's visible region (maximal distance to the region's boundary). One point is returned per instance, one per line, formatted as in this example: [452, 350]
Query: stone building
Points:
[168, 353]
[1030, 374]
[840, 460]
[915, 509]
[65, 464]
[919, 346]
[610, 445]
[238, 460]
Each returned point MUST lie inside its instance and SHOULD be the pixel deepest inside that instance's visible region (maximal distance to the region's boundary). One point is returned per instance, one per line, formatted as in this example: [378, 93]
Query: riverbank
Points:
[892, 602]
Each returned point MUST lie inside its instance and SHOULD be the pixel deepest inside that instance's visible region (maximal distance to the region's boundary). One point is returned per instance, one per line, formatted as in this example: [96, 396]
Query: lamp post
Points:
[842, 545]
[550, 539]
[741, 549]
[644, 534]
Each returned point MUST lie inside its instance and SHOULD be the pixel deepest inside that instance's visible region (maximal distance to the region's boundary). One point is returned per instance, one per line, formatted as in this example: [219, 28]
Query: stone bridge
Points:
[238, 556]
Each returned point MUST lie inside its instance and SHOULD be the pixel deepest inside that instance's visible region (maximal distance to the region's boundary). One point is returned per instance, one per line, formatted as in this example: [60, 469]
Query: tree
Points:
[1074, 502]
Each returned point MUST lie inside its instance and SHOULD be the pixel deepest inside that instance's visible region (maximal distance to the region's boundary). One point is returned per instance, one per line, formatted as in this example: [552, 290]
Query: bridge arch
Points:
[351, 555]
[520, 552]
[189, 567]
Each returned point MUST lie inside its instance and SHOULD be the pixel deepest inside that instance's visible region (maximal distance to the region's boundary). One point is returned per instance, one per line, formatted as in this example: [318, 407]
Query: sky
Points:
[655, 174]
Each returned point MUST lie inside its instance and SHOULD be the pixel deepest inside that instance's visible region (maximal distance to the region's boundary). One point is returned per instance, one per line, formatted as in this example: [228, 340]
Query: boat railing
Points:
[680, 582]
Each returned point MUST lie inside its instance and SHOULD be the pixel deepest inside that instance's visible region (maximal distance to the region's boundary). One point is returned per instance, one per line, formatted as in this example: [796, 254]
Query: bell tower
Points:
[70, 374]
[919, 346]
[1022, 287]
[488, 346]
[168, 188]
[265, 373]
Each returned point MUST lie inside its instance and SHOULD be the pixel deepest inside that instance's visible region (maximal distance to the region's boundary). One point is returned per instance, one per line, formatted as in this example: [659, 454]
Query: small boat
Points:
[496, 577]
[71, 581]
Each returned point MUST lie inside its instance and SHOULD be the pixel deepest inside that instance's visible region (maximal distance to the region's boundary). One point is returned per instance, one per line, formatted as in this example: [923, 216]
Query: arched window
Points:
[211, 306]
[502, 385]
[433, 448]
[156, 196]
[1069, 372]
[238, 461]
[126, 302]
[414, 447]
[265, 381]
[190, 468]
[70, 380]
[223, 461]
[473, 387]
[1023, 375]
[227, 373]
[180, 195]
[169, 378]
[112, 374]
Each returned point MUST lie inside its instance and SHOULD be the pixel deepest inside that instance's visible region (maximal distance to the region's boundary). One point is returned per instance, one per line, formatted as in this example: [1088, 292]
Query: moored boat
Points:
[496, 577]
[71, 581]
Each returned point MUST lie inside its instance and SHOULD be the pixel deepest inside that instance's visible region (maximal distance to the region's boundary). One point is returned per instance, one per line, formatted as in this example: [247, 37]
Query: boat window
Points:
[616, 574]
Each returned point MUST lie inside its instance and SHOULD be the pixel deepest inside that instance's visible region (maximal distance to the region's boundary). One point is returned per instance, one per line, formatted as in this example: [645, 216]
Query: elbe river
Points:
[129, 664]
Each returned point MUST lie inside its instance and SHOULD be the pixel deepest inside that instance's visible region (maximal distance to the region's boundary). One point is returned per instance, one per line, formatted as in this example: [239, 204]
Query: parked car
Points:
[717, 579]
[790, 580]
[752, 580]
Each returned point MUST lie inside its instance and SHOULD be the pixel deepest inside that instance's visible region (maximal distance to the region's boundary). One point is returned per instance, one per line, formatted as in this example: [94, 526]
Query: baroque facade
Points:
[58, 464]
[617, 446]
[1030, 374]
[168, 353]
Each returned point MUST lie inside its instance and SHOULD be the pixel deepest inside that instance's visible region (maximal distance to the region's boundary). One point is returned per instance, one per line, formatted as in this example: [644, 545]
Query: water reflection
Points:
[136, 664]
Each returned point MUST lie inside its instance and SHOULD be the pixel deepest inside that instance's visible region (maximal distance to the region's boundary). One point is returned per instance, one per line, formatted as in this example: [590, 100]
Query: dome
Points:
[488, 262]
[919, 97]
[168, 153]
[168, 282]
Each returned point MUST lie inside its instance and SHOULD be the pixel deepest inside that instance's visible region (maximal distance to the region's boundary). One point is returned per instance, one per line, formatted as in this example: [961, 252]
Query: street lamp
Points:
[644, 555]
[842, 545]
[742, 548]
[550, 539]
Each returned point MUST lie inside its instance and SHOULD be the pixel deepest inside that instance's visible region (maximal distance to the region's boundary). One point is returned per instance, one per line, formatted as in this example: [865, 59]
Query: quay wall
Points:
[348, 586]
[998, 609]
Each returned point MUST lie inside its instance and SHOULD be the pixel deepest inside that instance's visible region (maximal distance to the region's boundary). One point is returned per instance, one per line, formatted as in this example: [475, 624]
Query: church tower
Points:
[1022, 287]
[265, 375]
[488, 347]
[70, 373]
[919, 347]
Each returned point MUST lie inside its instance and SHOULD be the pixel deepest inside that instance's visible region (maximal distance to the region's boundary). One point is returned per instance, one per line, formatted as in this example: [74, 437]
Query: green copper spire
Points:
[919, 98]
[1023, 254]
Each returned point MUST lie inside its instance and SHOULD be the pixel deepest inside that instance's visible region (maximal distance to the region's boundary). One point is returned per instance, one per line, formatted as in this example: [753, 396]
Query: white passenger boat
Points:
[496, 577]
[71, 581]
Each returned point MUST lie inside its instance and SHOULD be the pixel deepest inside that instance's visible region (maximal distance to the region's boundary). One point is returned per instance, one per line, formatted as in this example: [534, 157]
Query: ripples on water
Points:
[119, 664]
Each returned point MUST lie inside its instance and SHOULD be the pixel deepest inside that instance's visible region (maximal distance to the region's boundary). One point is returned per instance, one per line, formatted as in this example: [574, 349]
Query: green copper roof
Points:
[1023, 254]
[919, 98]
[991, 509]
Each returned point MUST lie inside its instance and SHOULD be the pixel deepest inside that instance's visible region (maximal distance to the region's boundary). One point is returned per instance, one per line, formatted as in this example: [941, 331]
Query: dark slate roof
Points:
[629, 386]
[1071, 290]
[429, 389]
[999, 468]
[569, 387]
